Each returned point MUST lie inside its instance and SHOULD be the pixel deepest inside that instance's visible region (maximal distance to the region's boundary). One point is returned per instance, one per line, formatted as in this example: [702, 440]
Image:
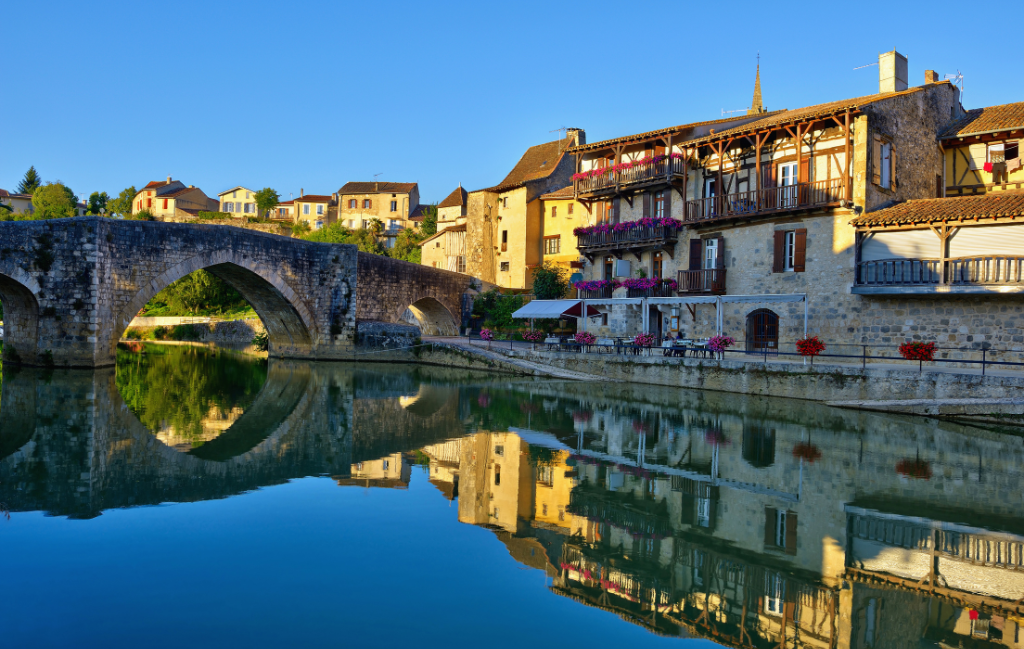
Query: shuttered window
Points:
[790, 251]
[780, 530]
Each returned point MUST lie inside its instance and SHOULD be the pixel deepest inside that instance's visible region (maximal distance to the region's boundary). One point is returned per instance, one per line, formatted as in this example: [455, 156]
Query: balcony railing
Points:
[661, 290]
[982, 270]
[634, 175]
[760, 201]
[707, 281]
[595, 294]
[632, 237]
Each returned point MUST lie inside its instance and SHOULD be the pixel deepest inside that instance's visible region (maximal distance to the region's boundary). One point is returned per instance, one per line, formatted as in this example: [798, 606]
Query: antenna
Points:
[958, 81]
[561, 138]
[865, 66]
[738, 110]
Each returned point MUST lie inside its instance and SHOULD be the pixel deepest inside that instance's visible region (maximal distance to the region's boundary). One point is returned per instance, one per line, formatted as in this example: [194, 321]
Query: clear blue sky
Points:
[314, 94]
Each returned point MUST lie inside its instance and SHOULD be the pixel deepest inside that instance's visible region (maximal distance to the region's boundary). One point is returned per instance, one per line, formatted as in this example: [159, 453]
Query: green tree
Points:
[376, 227]
[122, 205]
[429, 227]
[266, 200]
[337, 233]
[407, 246]
[98, 201]
[31, 182]
[54, 201]
[550, 282]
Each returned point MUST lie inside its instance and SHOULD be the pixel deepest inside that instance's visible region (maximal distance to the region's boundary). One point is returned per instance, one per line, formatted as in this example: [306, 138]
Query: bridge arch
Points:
[290, 326]
[433, 317]
[18, 293]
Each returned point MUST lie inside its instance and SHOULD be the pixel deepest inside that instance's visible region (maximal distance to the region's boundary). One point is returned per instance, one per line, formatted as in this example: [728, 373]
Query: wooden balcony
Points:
[706, 281]
[981, 274]
[596, 294]
[772, 200]
[658, 291]
[632, 178]
[633, 240]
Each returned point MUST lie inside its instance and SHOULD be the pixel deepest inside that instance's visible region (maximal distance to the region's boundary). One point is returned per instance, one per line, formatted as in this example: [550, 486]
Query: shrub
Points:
[213, 215]
[261, 341]
[160, 333]
[917, 351]
[486, 334]
[533, 336]
[550, 282]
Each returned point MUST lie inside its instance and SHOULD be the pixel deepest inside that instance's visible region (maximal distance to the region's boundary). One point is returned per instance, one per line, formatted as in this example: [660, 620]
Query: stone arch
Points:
[434, 318]
[18, 293]
[290, 326]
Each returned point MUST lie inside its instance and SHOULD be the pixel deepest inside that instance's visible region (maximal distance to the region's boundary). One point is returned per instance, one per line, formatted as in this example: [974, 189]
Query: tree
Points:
[429, 220]
[266, 200]
[550, 282]
[407, 245]
[98, 201]
[54, 201]
[31, 182]
[376, 227]
[122, 205]
[337, 233]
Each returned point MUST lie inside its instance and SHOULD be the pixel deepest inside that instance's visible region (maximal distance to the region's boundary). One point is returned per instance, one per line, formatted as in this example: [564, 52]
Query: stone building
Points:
[762, 205]
[982, 152]
[394, 204]
[447, 247]
[172, 199]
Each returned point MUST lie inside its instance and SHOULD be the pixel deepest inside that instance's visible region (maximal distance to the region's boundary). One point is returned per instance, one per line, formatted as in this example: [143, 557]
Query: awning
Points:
[554, 309]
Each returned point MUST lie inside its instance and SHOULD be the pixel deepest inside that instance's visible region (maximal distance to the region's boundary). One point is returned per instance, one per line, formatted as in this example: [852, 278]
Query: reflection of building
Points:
[698, 519]
[213, 425]
[389, 472]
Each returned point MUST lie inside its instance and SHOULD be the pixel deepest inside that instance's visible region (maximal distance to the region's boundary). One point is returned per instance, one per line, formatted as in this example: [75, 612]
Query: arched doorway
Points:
[20, 317]
[434, 318]
[758, 445]
[762, 331]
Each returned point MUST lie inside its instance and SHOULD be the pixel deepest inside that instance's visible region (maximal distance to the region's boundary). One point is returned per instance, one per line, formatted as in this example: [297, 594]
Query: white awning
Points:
[553, 309]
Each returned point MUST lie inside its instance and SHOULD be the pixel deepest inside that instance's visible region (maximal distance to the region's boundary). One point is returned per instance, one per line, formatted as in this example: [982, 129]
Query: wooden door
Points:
[763, 331]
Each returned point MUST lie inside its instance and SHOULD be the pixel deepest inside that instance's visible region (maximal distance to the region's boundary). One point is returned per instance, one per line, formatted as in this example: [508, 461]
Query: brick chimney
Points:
[892, 72]
[302, 192]
[578, 135]
[168, 179]
[931, 76]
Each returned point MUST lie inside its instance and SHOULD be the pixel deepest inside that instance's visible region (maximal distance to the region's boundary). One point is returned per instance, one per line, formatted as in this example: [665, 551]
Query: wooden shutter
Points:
[647, 205]
[876, 160]
[779, 261]
[893, 160]
[769, 526]
[799, 250]
[804, 171]
[668, 203]
[616, 205]
[938, 186]
[769, 172]
[720, 258]
[790, 533]
[695, 250]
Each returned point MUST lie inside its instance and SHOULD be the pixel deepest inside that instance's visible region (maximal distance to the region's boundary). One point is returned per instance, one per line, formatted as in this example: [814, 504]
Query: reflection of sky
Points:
[297, 564]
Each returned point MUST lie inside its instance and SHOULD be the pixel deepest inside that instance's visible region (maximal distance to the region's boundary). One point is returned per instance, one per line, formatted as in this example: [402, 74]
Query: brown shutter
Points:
[769, 526]
[790, 533]
[779, 261]
[668, 203]
[720, 259]
[893, 160]
[938, 185]
[800, 250]
[695, 250]
[805, 171]
[769, 172]
[647, 205]
[616, 206]
[876, 160]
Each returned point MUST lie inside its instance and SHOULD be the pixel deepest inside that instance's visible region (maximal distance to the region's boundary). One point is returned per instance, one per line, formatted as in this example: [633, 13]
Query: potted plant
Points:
[643, 340]
[810, 346]
[488, 335]
[585, 338]
[533, 337]
[918, 351]
[718, 344]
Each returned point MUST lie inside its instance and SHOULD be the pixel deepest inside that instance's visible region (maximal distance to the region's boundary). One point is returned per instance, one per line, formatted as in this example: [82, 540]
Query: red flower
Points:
[917, 351]
[810, 346]
[807, 452]
[914, 469]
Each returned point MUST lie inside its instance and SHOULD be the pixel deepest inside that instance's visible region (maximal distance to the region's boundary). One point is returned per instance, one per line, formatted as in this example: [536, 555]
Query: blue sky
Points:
[314, 94]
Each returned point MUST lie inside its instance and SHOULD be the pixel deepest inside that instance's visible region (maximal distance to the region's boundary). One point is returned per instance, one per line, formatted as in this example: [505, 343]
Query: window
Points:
[704, 512]
[545, 475]
[495, 512]
[394, 206]
[319, 210]
[787, 175]
[385, 465]
[659, 205]
[245, 207]
[319, 224]
[886, 172]
[711, 252]
[351, 203]
[460, 264]
[883, 162]
[504, 240]
[609, 268]
[554, 210]
[392, 224]
[234, 194]
[504, 202]
[366, 224]
[497, 475]
[367, 203]
[247, 195]
[656, 267]
[544, 510]
[149, 202]
[504, 267]
[553, 245]
[568, 209]
[780, 530]
[1002, 152]
[499, 451]
[774, 593]
[305, 209]
[698, 568]
[790, 251]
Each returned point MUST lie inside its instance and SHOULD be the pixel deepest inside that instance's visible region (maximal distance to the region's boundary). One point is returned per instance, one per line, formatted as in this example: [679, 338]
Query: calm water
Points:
[204, 499]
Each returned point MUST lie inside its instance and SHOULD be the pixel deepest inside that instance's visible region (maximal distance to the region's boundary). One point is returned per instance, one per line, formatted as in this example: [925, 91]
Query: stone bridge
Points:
[70, 287]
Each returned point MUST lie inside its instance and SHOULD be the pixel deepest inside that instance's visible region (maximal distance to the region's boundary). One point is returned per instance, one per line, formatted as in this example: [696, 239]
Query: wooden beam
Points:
[847, 188]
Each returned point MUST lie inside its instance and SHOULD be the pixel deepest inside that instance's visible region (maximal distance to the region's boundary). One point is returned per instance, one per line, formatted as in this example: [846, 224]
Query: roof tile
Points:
[377, 188]
[457, 198]
[939, 210]
[986, 120]
[538, 162]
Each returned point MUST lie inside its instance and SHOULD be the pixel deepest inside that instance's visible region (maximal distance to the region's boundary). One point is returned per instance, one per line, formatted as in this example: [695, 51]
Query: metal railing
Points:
[958, 271]
[769, 199]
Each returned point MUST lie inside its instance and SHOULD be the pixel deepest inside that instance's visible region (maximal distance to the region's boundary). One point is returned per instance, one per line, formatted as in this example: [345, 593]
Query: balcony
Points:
[634, 177]
[706, 281]
[662, 290]
[630, 240]
[981, 274]
[771, 200]
[603, 293]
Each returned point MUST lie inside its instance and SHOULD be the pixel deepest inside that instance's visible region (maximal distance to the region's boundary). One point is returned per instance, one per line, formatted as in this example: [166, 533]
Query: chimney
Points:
[334, 196]
[931, 76]
[892, 72]
[302, 192]
[578, 135]
[191, 186]
[376, 186]
[168, 179]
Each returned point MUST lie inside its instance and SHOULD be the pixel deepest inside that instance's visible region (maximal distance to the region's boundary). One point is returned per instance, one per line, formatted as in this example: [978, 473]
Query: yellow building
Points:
[389, 472]
[982, 152]
[19, 203]
[285, 210]
[394, 204]
[316, 210]
[561, 214]
[496, 481]
[447, 248]
[239, 201]
[172, 199]
[553, 488]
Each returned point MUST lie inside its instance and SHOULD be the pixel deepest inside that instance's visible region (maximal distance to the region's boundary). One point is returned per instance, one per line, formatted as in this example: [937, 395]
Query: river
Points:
[202, 498]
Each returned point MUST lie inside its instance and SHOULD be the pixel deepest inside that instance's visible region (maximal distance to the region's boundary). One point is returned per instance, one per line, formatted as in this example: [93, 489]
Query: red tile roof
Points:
[418, 213]
[377, 188]
[157, 183]
[538, 162]
[601, 144]
[559, 194]
[178, 192]
[314, 198]
[457, 198]
[286, 202]
[944, 210]
[988, 120]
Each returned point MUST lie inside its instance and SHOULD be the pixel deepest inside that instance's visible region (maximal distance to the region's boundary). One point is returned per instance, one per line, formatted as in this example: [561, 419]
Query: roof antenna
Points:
[375, 186]
[561, 138]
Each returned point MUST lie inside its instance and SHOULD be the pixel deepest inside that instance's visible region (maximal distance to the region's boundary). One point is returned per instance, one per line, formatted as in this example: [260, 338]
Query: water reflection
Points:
[752, 522]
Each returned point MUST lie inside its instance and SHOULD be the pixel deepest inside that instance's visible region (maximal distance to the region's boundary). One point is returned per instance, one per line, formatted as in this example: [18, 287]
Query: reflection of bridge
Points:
[69, 445]
[71, 286]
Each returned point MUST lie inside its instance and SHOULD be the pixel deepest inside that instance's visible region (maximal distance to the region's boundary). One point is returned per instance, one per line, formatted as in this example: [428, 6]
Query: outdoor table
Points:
[553, 343]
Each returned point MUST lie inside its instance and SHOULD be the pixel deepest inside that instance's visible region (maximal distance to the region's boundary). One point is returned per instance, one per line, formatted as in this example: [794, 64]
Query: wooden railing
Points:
[771, 199]
[958, 271]
[639, 174]
[595, 294]
[653, 234]
[710, 281]
[662, 290]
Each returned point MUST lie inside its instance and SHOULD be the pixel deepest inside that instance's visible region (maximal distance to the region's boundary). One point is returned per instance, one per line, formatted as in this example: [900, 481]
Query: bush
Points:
[209, 216]
[261, 341]
[141, 215]
[496, 308]
[160, 333]
[550, 282]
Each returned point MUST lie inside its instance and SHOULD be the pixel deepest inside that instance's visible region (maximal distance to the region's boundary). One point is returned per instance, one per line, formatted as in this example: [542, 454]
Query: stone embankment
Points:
[226, 333]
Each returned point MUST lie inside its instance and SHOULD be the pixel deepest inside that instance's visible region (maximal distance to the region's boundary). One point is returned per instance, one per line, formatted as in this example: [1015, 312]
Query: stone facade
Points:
[70, 287]
[387, 287]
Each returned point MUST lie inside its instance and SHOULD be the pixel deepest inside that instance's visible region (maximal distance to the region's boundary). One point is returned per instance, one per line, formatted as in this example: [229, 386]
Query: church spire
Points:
[756, 105]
